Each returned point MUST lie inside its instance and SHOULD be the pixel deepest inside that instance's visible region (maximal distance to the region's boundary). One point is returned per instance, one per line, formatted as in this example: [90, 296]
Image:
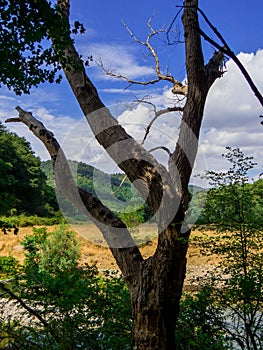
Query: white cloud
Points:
[232, 113]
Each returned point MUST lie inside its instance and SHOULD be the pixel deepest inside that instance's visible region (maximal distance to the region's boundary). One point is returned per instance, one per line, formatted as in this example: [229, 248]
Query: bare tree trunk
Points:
[156, 298]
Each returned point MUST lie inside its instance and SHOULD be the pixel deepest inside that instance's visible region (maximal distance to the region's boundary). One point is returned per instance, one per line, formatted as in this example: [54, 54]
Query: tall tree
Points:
[156, 283]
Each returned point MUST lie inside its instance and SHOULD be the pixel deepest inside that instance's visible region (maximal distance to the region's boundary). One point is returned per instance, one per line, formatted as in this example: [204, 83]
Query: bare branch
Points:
[29, 309]
[168, 110]
[163, 148]
[157, 113]
[178, 87]
[225, 49]
[120, 76]
[171, 26]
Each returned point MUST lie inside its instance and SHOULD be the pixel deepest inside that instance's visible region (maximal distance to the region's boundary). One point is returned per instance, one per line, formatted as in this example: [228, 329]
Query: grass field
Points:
[94, 249]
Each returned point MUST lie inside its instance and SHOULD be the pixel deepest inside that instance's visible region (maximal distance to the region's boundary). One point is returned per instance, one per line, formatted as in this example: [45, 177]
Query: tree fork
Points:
[155, 284]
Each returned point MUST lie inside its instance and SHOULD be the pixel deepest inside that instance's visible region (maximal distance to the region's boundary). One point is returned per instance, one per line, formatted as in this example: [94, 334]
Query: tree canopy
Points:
[28, 57]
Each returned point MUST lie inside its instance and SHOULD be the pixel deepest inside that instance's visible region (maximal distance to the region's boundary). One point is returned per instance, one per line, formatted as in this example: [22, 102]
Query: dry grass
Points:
[94, 249]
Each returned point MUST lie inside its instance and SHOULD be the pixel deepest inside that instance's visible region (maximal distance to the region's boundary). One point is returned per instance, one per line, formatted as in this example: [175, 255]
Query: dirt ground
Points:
[94, 249]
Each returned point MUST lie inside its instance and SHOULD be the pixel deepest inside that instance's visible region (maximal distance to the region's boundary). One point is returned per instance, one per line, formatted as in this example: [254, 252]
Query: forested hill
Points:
[27, 185]
[114, 190]
[108, 187]
[94, 180]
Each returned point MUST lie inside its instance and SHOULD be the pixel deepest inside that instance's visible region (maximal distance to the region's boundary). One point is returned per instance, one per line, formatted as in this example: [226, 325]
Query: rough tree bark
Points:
[156, 283]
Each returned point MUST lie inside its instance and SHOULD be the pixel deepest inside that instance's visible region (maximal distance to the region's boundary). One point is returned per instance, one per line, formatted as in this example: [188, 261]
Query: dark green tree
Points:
[72, 306]
[23, 187]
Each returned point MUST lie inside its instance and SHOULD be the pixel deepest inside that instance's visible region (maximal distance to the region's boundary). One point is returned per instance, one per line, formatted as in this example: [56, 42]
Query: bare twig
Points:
[123, 77]
[161, 147]
[157, 113]
[28, 308]
[178, 87]
[171, 26]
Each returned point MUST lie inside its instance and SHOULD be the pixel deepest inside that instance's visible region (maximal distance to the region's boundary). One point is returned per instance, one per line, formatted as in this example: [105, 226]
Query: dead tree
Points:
[156, 283]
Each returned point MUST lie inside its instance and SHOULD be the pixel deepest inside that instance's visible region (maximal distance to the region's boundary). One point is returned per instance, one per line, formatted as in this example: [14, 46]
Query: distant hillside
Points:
[105, 186]
[108, 187]
[195, 189]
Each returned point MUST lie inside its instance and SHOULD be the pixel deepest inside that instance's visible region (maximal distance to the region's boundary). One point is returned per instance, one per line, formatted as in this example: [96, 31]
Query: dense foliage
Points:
[23, 187]
[196, 328]
[95, 181]
[70, 306]
[26, 58]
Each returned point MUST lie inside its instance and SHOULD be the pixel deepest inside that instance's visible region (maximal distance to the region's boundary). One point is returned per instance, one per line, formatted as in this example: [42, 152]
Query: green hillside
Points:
[109, 188]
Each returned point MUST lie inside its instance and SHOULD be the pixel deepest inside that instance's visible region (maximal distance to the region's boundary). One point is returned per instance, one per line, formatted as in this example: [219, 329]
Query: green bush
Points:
[195, 328]
[8, 265]
[6, 226]
[234, 208]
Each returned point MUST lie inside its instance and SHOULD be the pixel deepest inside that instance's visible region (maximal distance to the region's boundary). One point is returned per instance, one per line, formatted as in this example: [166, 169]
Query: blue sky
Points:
[231, 116]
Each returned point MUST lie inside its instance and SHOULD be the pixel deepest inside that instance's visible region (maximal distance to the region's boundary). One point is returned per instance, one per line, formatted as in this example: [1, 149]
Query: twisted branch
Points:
[178, 87]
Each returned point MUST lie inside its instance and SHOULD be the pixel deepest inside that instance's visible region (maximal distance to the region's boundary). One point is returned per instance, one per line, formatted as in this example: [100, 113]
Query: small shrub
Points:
[8, 265]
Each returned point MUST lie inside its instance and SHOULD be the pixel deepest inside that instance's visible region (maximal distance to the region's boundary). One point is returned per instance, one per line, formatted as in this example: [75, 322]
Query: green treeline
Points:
[95, 181]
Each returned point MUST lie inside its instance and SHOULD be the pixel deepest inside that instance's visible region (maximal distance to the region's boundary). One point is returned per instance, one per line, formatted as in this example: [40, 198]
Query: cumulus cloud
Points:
[232, 113]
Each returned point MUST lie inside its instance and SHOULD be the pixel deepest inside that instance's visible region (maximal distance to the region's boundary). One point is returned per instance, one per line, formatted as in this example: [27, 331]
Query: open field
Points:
[94, 249]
